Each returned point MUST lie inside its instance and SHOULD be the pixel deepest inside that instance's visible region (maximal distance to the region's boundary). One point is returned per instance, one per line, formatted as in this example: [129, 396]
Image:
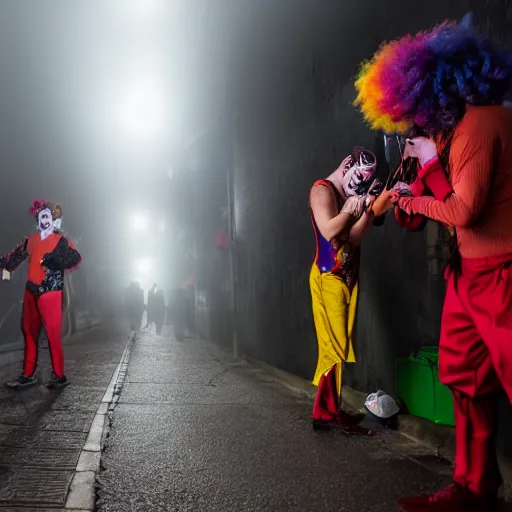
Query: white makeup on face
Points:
[360, 172]
[354, 177]
[45, 223]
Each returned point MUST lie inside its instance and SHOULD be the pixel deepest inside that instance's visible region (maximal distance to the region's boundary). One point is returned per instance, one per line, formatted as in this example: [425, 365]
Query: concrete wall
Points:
[295, 124]
[293, 68]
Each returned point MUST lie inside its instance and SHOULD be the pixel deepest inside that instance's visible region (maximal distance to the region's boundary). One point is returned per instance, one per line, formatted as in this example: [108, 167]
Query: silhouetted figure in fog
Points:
[50, 256]
[159, 310]
[150, 308]
[135, 306]
[190, 307]
[178, 311]
[168, 312]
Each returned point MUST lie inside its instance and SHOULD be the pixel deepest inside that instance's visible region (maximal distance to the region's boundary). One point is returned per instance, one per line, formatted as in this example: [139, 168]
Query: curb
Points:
[82, 492]
[440, 439]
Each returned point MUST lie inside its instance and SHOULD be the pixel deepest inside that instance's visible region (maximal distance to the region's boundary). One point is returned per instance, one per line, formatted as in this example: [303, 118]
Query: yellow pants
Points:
[334, 311]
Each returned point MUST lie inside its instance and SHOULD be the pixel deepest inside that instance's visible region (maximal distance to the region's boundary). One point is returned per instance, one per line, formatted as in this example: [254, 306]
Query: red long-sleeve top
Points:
[480, 171]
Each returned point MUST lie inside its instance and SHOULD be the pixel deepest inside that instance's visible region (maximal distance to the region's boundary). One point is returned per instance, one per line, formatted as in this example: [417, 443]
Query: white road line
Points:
[82, 493]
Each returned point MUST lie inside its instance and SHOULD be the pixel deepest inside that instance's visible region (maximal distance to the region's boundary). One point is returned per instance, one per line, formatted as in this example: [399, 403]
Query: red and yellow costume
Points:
[333, 280]
[333, 283]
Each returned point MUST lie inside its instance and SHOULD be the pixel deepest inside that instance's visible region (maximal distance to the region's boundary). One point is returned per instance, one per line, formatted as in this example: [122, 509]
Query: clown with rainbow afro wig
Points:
[445, 90]
[427, 80]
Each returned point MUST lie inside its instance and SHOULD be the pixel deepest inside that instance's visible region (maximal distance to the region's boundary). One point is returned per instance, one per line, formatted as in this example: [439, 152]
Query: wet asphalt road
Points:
[197, 431]
[43, 431]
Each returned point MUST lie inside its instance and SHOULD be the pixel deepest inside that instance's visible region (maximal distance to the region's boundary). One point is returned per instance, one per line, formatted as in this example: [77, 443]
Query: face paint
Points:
[358, 177]
[45, 223]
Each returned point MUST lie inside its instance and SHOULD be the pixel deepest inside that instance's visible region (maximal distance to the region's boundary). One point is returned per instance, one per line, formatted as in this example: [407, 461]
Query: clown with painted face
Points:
[342, 211]
[50, 256]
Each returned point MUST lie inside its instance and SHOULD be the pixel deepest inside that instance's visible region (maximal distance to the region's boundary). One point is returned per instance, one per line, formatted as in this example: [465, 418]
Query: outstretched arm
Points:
[13, 259]
[472, 160]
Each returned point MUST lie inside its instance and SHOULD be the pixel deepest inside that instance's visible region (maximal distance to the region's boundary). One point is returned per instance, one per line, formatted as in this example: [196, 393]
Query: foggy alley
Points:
[190, 429]
[195, 429]
[229, 223]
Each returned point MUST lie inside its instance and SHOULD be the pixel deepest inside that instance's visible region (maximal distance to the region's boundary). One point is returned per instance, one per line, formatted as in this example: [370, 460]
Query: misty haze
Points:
[226, 225]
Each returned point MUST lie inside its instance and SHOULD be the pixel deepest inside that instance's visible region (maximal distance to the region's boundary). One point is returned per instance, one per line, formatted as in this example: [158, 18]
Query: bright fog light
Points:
[143, 8]
[139, 222]
[141, 112]
[143, 266]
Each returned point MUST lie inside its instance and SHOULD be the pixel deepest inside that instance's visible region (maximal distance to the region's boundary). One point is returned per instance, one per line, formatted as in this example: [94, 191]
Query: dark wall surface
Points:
[295, 124]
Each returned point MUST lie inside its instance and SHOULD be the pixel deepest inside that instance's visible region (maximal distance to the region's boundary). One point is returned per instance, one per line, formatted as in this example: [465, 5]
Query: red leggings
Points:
[475, 361]
[327, 403]
[45, 309]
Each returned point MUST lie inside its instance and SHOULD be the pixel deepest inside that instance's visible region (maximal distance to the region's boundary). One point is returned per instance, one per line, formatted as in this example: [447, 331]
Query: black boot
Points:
[23, 382]
[57, 382]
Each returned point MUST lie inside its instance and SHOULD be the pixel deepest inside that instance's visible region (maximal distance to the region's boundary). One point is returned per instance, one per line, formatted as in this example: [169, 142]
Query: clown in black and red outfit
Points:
[50, 257]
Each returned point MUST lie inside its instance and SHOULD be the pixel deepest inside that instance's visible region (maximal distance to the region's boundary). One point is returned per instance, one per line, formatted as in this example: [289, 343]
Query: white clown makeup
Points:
[358, 171]
[45, 223]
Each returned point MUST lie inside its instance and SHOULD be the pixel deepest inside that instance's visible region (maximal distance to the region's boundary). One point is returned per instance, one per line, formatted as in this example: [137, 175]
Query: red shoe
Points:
[453, 498]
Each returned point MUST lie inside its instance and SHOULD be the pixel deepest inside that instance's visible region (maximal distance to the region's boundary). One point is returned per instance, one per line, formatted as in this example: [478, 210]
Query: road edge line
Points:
[82, 491]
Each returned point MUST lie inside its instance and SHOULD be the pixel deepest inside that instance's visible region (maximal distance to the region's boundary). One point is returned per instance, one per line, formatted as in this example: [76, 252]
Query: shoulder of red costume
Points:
[478, 118]
[320, 183]
[322, 190]
[31, 239]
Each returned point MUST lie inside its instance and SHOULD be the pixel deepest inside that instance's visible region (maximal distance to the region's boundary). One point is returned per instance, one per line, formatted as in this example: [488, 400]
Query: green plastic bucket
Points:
[419, 389]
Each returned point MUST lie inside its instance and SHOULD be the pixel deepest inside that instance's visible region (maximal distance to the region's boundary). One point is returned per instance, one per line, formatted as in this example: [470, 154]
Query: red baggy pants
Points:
[475, 361]
[45, 309]
[327, 403]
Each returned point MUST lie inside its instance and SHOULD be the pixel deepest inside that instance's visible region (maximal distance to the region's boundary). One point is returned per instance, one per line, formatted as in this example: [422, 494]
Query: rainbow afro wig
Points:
[426, 80]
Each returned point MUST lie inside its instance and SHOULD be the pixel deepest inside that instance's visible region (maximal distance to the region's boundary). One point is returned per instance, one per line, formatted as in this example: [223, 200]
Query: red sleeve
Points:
[417, 187]
[433, 176]
[472, 156]
[410, 222]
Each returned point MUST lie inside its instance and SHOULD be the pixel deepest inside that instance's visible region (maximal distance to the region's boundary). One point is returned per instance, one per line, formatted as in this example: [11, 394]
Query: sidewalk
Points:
[43, 433]
[196, 430]
[436, 438]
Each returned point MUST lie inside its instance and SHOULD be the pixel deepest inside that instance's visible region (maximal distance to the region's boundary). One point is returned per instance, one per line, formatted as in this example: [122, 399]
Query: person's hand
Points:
[403, 189]
[384, 202]
[354, 205]
[51, 261]
[422, 148]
